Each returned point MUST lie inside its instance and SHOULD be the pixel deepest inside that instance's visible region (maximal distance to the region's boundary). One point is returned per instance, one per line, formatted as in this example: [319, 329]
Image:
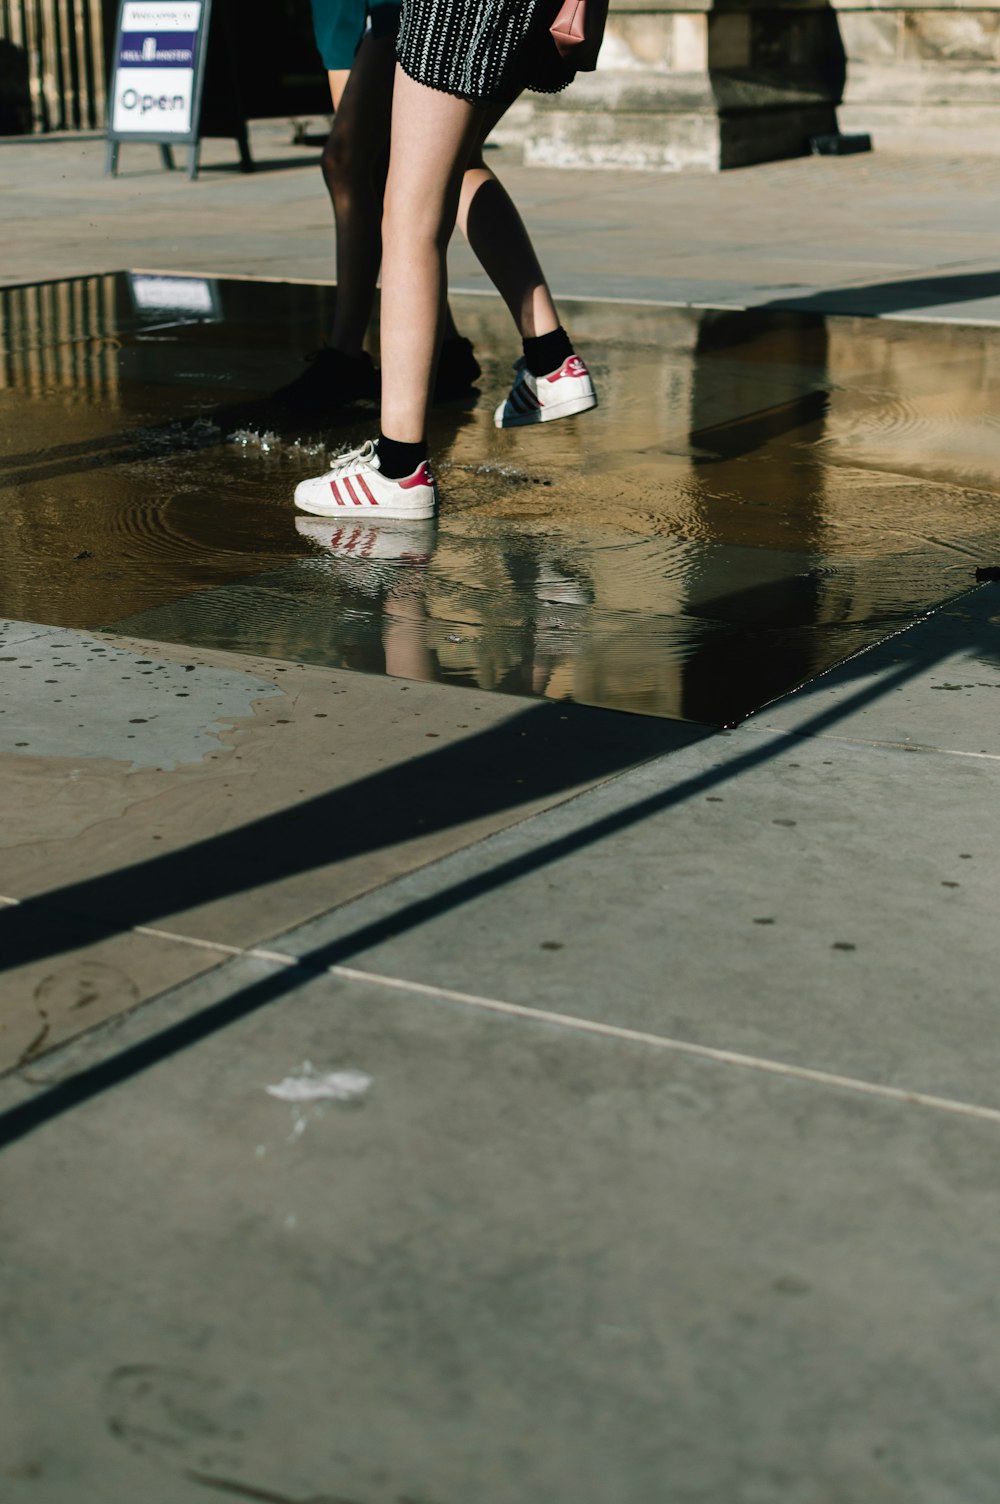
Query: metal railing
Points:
[63, 44]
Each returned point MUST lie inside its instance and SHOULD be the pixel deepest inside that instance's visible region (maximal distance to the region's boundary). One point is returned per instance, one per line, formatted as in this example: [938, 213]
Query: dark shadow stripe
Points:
[19, 1121]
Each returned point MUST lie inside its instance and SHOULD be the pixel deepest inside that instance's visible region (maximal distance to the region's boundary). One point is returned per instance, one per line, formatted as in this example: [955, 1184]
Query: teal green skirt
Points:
[339, 25]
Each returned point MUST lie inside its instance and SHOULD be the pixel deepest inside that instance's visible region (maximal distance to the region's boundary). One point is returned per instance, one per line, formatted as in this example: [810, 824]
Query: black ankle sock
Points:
[397, 460]
[545, 353]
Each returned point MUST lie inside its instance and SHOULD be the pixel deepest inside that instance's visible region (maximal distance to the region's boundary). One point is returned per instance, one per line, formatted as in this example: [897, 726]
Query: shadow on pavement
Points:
[881, 298]
[540, 754]
[299, 838]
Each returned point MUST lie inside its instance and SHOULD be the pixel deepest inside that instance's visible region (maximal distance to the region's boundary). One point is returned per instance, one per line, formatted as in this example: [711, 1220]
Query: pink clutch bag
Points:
[578, 31]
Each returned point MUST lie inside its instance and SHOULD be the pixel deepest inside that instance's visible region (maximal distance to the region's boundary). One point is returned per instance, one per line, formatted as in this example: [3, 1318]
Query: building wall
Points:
[685, 83]
[682, 83]
[923, 77]
[51, 65]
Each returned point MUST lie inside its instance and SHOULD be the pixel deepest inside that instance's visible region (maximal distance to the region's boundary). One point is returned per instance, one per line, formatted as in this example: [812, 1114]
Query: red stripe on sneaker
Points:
[350, 491]
[364, 486]
[336, 494]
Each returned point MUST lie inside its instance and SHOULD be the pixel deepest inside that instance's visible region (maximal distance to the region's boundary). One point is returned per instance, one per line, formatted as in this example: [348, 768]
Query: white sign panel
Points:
[164, 16]
[170, 294]
[155, 69]
[153, 101]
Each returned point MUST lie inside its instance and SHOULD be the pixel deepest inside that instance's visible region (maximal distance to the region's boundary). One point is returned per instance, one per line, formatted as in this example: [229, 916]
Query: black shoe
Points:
[458, 370]
[330, 382]
[331, 379]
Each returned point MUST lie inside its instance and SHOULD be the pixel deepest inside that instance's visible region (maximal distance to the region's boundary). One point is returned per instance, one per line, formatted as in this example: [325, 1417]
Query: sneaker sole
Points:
[546, 414]
[384, 511]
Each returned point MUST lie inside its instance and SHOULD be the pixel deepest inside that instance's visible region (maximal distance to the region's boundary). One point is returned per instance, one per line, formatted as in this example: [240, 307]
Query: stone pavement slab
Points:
[931, 688]
[214, 800]
[57, 676]
[828, 903]
[864, 234]
[80, 976]
[526, 1263]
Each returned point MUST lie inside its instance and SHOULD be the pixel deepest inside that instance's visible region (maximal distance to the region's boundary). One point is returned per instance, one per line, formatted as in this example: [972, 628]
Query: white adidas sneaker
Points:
[541, 399]
[354, 486]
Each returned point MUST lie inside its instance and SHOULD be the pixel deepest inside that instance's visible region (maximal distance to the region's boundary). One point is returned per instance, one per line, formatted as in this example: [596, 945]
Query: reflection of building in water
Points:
[731, 543]
[60, 334]
[62, 45]
[111, 499]
[685, 543]
[916, 399]
[58, 344]
[758, 404]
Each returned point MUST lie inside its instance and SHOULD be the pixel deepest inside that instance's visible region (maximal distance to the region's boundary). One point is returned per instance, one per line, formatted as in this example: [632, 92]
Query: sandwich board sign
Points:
[158, 76]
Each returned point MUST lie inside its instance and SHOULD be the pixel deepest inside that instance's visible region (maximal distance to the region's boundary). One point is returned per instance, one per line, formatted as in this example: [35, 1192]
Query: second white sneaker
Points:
[541, 399]
[354, 486]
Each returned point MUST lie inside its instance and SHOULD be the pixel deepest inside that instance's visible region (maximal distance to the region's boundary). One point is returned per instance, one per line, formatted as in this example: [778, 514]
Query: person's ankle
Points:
[545, 353]
[398, 459]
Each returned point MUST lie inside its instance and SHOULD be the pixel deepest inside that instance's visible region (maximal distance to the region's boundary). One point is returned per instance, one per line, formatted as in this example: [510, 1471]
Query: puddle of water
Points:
[758, 496]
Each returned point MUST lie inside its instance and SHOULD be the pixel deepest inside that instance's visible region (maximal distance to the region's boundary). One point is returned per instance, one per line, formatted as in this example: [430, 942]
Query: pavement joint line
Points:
[280, 958]
[527, 1013]
[677, 1046]
[861, 741]
[715, 1054]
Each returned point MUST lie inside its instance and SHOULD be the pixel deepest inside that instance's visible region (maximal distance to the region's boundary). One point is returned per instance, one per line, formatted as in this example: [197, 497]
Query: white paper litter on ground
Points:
[311, 1085]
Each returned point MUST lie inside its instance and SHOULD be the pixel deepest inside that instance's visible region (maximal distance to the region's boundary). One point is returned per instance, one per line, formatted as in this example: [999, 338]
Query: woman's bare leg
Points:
[355, 161]
[491, 224]
[432, 136]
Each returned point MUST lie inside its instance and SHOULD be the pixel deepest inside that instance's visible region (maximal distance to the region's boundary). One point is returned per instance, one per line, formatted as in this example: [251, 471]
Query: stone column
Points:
[689, 83]
[697, 84]
[923, 76]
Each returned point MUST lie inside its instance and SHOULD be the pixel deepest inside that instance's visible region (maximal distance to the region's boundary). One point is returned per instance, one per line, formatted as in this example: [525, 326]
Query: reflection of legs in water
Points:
[387, 569]
[564, 593]
[404, 636]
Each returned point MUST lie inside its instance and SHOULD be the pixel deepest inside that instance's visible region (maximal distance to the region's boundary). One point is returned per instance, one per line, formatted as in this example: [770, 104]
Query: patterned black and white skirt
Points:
[485, 51]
